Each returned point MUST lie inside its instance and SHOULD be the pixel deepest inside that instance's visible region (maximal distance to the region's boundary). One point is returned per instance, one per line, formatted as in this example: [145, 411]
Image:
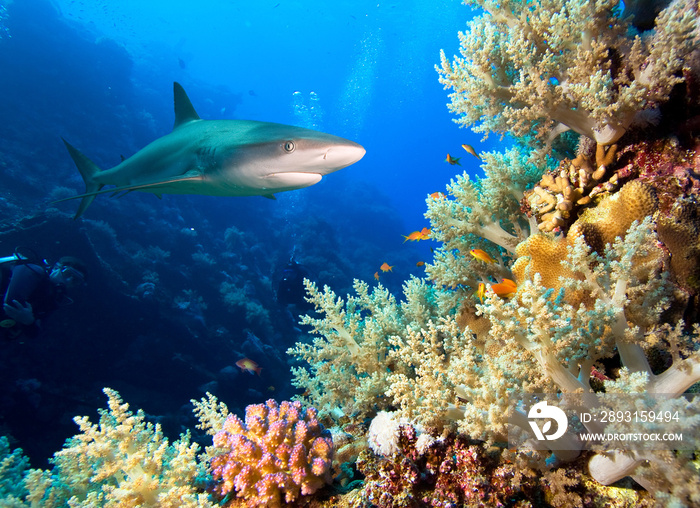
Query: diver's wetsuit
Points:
[26, 283]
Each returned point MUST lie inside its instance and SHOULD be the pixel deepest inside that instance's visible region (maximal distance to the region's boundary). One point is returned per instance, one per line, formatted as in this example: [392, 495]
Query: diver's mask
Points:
[67, 275]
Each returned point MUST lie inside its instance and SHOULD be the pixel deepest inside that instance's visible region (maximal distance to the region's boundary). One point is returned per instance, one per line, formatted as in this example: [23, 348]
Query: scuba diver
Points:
[290, 289]
[31, 290]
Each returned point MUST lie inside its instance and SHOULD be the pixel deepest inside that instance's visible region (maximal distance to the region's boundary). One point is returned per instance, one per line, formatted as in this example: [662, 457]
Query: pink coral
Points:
[279, 453]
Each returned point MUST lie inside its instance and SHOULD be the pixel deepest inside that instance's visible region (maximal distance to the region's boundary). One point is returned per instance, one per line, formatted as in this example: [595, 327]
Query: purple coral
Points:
[278, 454]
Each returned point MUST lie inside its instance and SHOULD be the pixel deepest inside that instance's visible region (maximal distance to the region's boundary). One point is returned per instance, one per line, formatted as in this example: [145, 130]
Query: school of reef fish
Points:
[571, 267]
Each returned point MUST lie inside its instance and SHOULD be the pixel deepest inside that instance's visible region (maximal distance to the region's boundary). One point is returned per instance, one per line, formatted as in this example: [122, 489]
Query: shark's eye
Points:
[289, 146]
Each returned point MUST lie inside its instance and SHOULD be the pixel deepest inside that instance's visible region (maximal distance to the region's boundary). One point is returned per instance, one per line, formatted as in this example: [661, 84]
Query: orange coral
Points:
[560, 194]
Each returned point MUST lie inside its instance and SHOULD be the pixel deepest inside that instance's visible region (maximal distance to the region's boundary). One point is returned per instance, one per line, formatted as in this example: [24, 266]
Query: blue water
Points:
[100, 74]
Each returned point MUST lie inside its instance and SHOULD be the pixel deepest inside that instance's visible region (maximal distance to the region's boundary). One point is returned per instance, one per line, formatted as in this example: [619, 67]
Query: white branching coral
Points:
[457, 380]
[535, 67]
[123, 461]
[486, 207]
[442, 375]
[349, 362]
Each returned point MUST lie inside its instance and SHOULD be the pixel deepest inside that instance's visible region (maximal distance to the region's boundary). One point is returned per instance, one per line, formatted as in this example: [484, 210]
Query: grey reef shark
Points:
[219, 158]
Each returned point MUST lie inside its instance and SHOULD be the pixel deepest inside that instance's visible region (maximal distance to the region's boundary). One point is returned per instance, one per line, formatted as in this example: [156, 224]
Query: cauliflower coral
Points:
[277, 455]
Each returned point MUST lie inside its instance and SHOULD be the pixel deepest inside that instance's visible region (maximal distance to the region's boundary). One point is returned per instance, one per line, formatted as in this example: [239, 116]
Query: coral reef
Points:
[450, 363]
[680, 233]
[456, 471]
[121, 462]
[278, 454]
[533, 68]
[13, 467]
[255, 314]
[603, 248]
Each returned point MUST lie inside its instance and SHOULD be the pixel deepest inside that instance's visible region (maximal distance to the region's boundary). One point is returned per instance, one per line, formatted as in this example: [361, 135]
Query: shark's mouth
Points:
[292, 180]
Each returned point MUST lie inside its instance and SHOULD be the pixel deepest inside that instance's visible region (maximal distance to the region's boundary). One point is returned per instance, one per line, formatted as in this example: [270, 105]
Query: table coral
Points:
[280, 453]
[527, 67]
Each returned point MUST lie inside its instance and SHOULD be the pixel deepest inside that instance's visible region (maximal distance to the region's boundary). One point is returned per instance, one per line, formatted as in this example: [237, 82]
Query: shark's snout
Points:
[340, 156]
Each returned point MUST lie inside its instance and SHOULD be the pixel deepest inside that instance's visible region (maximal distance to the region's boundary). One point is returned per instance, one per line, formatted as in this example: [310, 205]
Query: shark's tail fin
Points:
[88, 170]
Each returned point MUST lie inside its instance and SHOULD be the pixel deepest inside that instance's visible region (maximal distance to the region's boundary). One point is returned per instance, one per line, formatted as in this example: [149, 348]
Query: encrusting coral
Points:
[537, 67]
[680, 233]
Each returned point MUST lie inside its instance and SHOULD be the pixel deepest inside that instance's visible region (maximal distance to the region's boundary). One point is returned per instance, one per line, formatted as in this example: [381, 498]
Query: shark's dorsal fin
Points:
[184, 111]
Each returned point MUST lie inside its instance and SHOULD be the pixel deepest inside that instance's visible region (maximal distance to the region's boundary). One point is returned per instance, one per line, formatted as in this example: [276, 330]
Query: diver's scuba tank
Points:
[11, 259]
[22, 255]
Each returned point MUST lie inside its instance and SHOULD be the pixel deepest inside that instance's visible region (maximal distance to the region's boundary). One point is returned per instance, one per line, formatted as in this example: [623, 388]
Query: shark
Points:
[219, 158]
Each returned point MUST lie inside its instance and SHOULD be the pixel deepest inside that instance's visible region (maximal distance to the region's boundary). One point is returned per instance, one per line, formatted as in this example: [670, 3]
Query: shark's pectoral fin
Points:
[269, 196]
[190, 176]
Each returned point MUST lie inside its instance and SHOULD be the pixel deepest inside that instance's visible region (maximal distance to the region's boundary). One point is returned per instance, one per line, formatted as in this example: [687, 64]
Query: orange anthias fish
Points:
[423, 234]
[482, 255]
[453, 160]
[437, 195]
[385, 267]
[412, 237]
[470, 149]
[420, 263]
[248, 365]
[376, 275]
[481, 292]
[505, 288]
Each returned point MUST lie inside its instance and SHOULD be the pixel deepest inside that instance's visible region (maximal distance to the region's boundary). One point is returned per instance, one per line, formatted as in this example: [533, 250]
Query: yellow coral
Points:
[556, 199]
[599, 226]
[680, 233]
[613, 216]
[541, 254]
